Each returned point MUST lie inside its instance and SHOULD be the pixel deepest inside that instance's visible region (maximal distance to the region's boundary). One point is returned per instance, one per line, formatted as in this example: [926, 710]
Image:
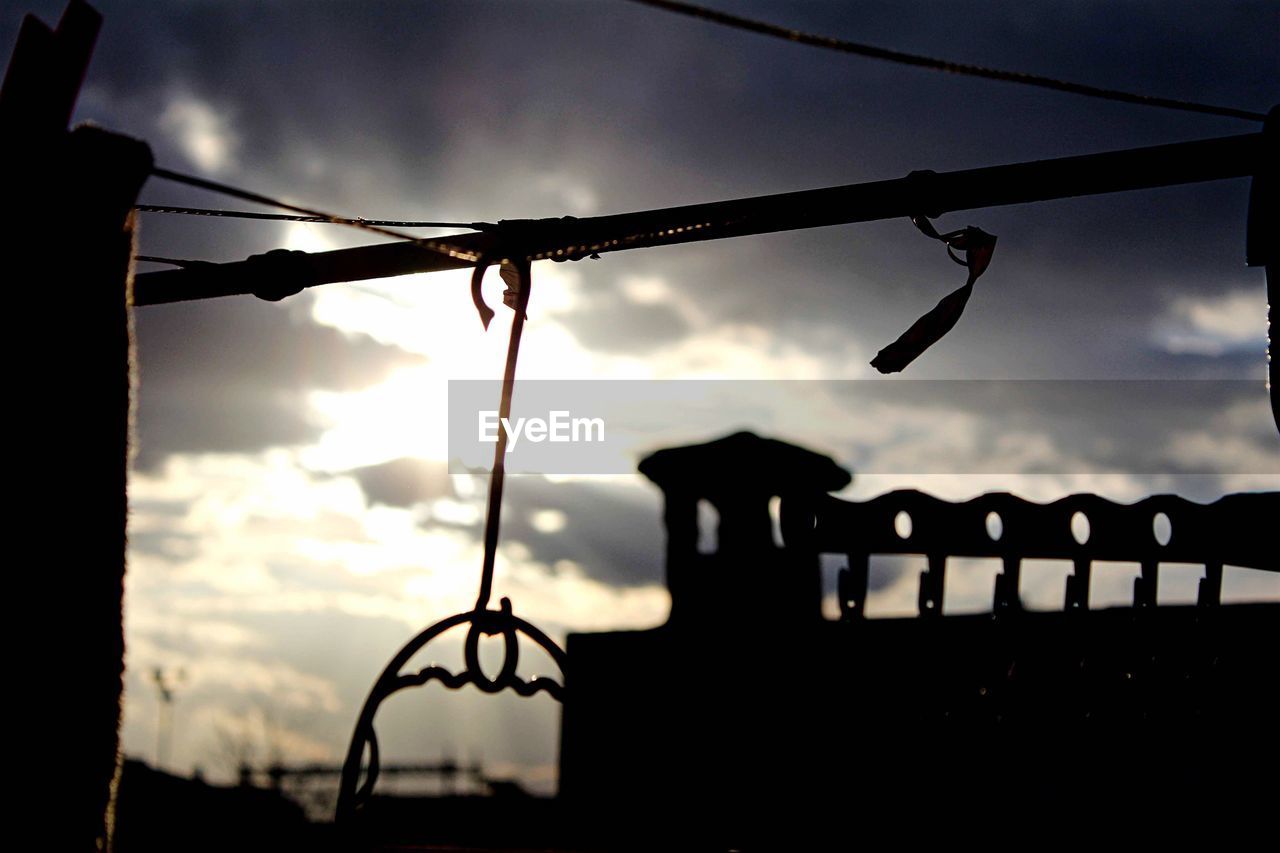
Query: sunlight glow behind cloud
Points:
[1214, 325]
[203, 133]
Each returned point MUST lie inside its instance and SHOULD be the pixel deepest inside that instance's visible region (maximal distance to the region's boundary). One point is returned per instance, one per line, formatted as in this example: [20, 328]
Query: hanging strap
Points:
[978, 246]
[517, 276]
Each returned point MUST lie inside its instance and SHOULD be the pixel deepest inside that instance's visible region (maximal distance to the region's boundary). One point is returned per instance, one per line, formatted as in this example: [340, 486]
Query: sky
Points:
[293, 518]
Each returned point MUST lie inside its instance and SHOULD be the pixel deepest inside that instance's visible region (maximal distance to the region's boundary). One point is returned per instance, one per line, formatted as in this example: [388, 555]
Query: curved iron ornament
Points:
[353, 794]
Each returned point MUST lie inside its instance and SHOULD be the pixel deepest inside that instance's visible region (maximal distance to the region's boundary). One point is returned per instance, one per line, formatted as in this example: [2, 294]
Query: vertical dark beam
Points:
[1210, 594]
[798, 580]
[1260, 249]
[933, 581]
[28, 69]
[680, 517]
[104, 172]
[45, 73]
[851, 587]
[1077, 593]
[1008, 595]
[1146, 585]
[1273, 349]
[69, 392]
[74, 39]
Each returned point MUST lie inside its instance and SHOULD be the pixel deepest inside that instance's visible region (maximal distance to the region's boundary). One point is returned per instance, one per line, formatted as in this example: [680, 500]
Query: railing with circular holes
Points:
[1236, 530]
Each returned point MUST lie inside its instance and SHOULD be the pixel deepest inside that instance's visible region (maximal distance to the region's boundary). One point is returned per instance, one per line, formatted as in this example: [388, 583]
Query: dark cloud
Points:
[488, 110]
[1233, 363]
[172, 546]
[404, 482]
[614, 534]
[1137, 428]
[609, 321]
[233, 374]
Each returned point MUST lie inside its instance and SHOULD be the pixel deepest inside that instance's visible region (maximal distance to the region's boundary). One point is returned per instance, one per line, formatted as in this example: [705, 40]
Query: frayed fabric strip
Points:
[978, 247]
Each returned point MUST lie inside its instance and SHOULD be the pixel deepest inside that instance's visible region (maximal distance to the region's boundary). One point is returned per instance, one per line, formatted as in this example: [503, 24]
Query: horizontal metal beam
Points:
[279, 274]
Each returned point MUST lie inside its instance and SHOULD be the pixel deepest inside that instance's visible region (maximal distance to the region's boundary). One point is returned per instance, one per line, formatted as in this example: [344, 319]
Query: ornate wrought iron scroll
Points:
[483, 621]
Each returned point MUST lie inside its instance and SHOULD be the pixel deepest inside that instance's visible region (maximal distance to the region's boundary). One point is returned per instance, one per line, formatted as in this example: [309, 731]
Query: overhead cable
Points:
[872, 52]
[430, 244]
[176, 262]
[567, 239]
[293, 217]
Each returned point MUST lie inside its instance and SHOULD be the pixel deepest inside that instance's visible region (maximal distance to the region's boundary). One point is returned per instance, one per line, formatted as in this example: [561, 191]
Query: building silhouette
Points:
[748, 720]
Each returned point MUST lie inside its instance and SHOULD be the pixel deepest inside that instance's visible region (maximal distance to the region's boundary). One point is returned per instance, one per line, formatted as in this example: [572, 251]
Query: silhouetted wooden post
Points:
[67, 245]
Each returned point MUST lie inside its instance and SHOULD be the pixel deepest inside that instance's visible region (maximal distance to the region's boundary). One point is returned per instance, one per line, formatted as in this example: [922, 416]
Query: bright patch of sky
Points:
[1214, 325]
[202, 132]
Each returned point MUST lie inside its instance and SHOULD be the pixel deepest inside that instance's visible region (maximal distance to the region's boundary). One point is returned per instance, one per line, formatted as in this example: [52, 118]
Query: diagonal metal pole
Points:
[570, 238]
[928, 193]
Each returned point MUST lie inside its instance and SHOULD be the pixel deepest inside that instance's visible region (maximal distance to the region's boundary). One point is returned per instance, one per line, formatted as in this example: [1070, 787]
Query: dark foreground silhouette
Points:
[750, 721]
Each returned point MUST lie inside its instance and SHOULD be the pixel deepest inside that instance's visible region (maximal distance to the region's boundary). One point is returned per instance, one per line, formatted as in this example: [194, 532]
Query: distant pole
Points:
[164, 716]
[163, 721]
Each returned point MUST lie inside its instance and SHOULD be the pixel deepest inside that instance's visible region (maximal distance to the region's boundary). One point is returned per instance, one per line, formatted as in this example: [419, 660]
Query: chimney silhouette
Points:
[748, 577]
